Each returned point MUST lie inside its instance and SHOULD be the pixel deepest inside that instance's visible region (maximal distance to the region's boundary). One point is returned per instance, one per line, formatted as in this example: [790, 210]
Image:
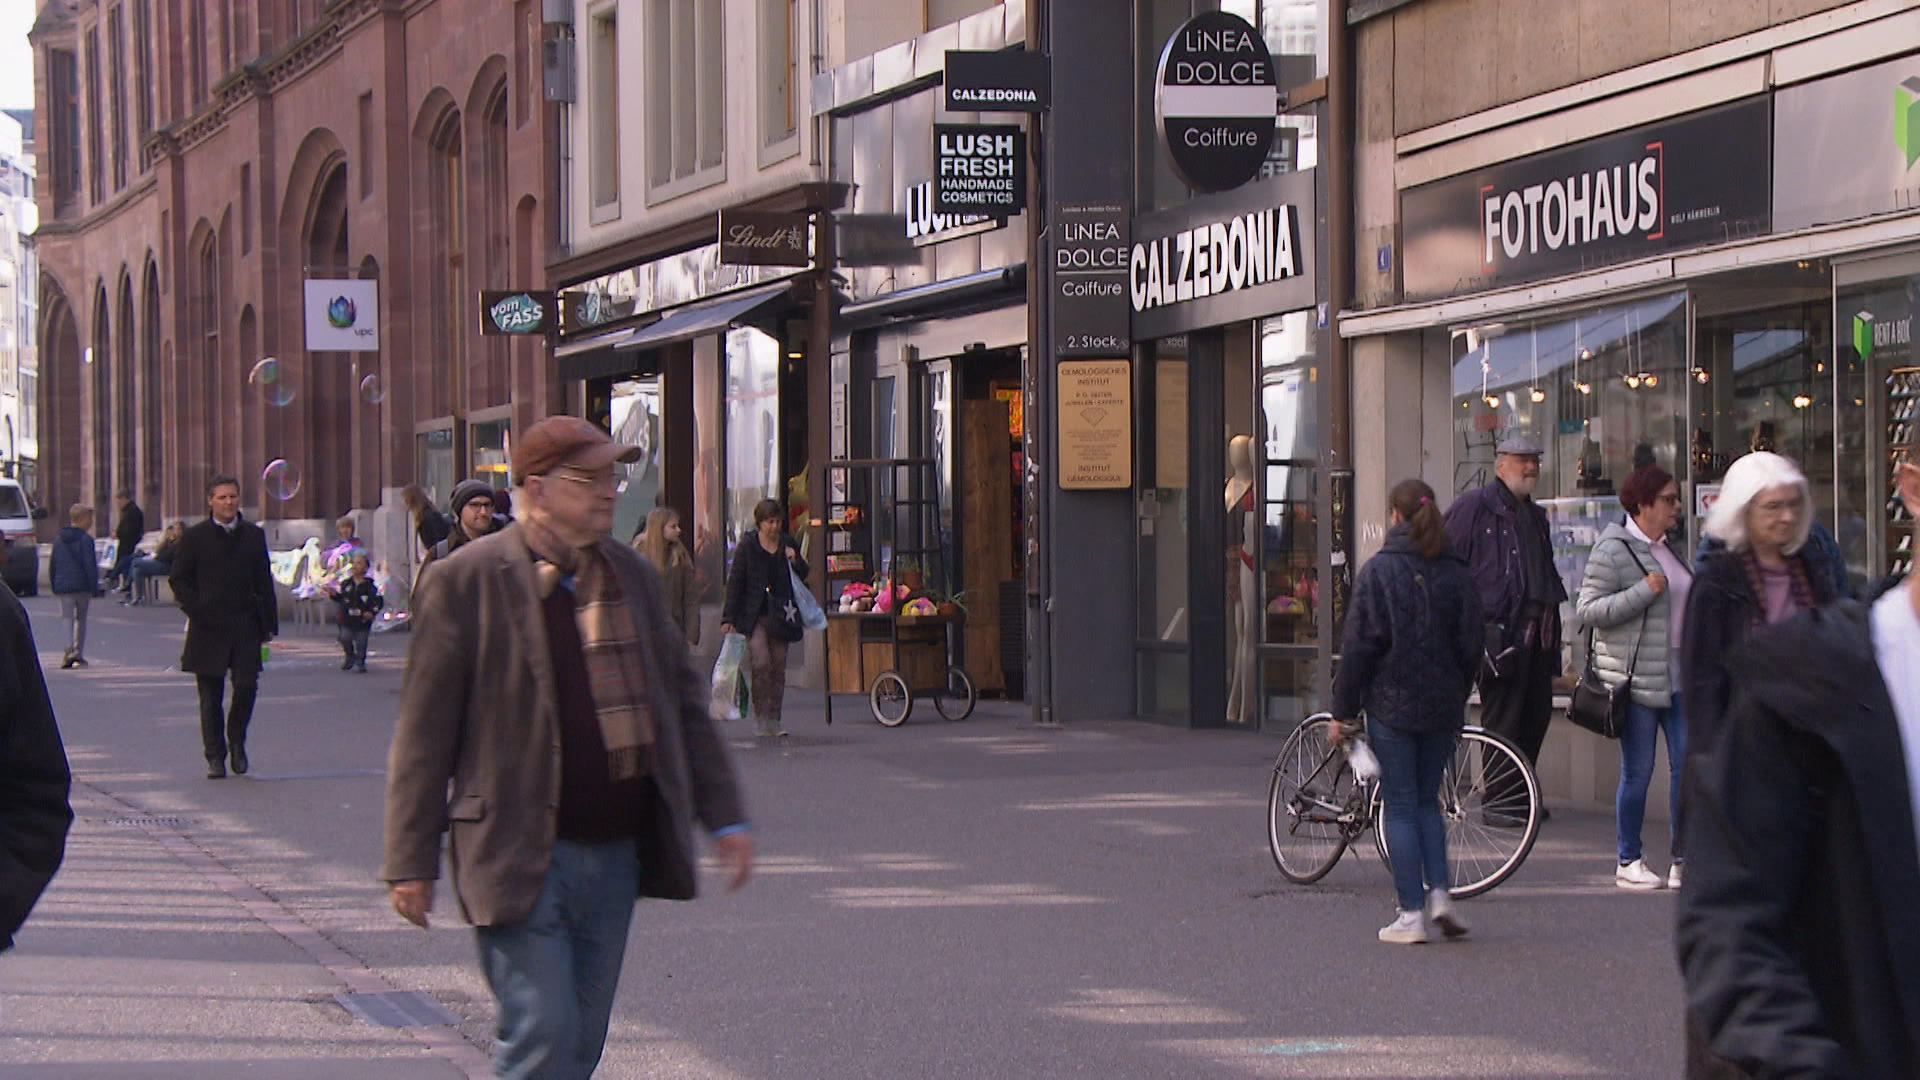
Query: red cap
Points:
[566, 440]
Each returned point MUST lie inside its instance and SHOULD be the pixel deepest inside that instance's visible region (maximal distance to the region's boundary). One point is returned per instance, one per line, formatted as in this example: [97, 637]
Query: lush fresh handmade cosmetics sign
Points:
[979, 169]
[1695, 180]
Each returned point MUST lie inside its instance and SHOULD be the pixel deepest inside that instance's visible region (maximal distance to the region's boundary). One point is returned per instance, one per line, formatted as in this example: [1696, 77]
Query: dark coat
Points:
[476, 744]
[1412, 642]
[75, 564]
[1820, 546]
[130, 528]
[1796, 936]
[359, 603]
[34, 782]
[754, 573]
[1720, 611]
[433, 527]
[225, 586]
[1484, 530]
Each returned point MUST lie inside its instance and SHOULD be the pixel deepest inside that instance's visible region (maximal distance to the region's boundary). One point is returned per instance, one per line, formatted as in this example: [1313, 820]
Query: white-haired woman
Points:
[1766, 572]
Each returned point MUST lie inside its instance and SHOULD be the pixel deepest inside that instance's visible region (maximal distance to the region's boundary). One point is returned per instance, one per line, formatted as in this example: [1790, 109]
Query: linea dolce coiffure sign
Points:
[1694, 180]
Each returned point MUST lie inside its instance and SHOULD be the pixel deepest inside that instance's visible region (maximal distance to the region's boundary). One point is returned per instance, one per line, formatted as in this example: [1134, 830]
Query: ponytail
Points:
[1414, 501]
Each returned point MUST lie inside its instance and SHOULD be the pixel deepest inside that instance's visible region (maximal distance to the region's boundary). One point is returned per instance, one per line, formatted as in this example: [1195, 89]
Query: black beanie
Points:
[465, 492]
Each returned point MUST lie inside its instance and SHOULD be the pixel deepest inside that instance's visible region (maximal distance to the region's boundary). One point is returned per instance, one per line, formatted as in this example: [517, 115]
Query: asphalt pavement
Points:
[975, 899]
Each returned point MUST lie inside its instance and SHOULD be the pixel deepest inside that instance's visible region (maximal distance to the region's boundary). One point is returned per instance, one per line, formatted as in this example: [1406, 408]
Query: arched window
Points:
[495, 214]
[102, 387]
[124, 443]
[446, 203]
[150, 384]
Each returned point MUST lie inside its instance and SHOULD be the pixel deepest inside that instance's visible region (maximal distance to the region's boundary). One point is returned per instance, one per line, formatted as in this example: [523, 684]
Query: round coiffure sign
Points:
[1216, 101]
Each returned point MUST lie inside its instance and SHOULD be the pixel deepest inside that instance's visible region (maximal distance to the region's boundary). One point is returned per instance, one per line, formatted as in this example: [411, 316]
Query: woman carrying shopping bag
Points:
[1412, 642]
[761, 607]
[1633, 599]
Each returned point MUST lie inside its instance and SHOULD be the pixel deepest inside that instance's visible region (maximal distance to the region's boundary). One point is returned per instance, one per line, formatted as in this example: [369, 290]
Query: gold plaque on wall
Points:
[1096, 424]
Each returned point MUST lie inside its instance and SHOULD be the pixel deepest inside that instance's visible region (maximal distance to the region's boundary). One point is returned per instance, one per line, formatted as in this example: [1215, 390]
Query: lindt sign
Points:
[752, 238]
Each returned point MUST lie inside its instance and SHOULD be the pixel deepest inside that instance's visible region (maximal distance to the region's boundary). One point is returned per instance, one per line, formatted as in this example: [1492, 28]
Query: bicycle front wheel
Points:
[1490, 802]
[1313, 804]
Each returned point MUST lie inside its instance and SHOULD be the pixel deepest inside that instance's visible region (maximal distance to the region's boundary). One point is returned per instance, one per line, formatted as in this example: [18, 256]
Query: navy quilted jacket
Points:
[75, 567]
[1413, 640]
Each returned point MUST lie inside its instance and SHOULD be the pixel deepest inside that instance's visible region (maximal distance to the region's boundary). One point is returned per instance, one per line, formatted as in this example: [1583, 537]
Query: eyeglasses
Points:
[1670, 500]
[603, 479]
[1778, 506]
[484, 504]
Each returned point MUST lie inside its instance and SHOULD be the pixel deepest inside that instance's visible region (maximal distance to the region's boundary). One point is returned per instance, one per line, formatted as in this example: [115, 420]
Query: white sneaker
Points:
[1409, 929]
[1673, 877]
[1441, 913]
[1635, 875]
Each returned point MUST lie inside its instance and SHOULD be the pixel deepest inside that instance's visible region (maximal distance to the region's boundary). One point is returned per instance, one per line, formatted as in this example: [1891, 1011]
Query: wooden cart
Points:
[883, 520]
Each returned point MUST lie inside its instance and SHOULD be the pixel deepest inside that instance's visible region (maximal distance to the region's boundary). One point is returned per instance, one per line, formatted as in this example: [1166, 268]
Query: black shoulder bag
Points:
[1594, 706]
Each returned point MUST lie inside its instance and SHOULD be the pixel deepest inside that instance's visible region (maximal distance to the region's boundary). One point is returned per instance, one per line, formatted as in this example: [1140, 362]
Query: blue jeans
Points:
[553, 976]
[1637, 741]
[1411, 767]
[143, 568]
[353, 642]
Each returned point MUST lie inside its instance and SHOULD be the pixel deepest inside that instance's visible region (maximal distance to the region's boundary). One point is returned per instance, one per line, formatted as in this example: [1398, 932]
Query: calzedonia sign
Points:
[1216, 101]
[998, 81]
[1223, 259]
[979, 169]
[1695, 180]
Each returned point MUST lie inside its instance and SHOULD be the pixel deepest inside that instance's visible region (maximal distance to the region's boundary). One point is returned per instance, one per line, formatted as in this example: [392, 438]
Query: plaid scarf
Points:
[1802, 585]
[615, 658]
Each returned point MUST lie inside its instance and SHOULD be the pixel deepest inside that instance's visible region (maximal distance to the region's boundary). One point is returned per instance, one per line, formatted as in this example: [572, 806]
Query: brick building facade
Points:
[201, 159]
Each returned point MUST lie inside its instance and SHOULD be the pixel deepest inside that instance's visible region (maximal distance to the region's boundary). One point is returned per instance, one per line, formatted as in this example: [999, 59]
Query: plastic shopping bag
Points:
[811, 616]
[729, 681]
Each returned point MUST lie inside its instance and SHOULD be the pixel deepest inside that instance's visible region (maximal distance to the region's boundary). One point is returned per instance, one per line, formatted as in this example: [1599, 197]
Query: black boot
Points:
[237, 754]
[216, 769]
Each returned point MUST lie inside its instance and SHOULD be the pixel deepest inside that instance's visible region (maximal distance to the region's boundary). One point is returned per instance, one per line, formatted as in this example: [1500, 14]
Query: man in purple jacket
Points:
[1506, 541]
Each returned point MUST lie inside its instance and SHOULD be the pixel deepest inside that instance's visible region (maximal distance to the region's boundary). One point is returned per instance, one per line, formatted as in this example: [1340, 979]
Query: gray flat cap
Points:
[1519, 446]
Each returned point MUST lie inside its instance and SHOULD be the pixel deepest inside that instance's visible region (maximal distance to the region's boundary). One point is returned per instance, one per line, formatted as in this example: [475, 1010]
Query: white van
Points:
[22, 555]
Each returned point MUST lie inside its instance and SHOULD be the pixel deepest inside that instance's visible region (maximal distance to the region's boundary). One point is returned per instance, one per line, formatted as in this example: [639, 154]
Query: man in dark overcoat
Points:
[34, 781]
[223, 582]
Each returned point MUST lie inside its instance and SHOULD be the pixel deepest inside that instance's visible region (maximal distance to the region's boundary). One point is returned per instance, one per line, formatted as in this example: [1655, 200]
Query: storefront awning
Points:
[712, 316]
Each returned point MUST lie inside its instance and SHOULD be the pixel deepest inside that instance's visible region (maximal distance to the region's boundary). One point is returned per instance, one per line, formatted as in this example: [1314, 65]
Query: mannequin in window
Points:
[1243, 584]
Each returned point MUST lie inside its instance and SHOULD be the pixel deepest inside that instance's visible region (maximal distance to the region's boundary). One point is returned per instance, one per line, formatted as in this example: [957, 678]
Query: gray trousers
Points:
[73, 609]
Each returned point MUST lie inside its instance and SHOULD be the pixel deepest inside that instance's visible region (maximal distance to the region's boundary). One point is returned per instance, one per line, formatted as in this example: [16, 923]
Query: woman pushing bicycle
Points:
[1413, 641]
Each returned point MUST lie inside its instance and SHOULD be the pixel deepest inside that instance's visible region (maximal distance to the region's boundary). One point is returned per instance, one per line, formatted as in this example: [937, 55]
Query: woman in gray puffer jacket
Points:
[1632, 599]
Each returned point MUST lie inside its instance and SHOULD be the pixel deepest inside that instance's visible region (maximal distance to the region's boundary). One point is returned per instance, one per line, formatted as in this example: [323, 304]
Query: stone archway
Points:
[61, 454]
[125, 443]
[99, 440]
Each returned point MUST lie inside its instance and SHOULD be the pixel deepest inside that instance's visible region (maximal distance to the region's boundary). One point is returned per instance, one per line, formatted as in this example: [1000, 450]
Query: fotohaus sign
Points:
[1216, 101]
[979, 169]
[1695, 180]
[1224, 258]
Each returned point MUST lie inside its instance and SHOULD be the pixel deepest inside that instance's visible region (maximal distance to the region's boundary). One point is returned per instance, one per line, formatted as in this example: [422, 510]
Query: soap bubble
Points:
[273, 381]
[372, 390]
[281, 479]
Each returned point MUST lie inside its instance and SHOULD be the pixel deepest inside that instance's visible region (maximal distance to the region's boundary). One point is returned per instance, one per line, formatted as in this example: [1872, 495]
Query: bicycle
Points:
[1317, 808]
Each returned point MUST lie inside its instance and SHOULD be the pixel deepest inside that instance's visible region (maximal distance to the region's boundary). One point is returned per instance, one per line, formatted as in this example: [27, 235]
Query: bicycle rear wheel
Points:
[1313, 804]
[1490, 802]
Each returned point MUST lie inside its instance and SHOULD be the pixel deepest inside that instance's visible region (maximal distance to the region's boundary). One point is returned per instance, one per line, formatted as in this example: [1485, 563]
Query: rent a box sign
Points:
[979, 169]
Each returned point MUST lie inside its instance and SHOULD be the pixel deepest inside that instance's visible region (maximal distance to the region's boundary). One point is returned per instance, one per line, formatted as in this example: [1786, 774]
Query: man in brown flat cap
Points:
[547, 684]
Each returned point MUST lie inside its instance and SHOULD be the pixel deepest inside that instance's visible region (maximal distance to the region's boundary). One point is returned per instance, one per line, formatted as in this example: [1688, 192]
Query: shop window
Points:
[752, 432]
[1762, 381]
[1602, 392]
[686, 96]
[1878, 423]
[433, 462]
[603, 109]
[1290, 441]
[1164, 541]
[634, 418]
[490, 451]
